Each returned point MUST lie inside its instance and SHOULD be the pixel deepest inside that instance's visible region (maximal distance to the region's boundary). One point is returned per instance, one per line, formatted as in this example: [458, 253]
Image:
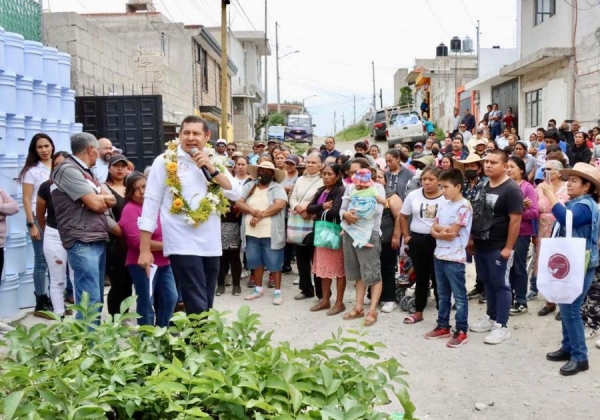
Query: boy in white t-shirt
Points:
[451, 230]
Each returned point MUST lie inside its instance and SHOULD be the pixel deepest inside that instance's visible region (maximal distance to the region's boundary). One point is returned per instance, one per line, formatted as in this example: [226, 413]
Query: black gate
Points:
[133, 124]
[507, 95]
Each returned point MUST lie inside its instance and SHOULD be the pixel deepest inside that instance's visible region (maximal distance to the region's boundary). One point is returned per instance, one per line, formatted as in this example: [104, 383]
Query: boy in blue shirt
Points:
[451, 230]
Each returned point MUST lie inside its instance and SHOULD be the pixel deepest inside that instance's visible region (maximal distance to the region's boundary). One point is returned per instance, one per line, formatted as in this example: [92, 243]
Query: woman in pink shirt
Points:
[163, 295]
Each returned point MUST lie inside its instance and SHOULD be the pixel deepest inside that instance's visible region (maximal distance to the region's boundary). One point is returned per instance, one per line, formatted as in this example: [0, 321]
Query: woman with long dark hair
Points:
[54, 252]
[35, 172]
[163, 296]
[120, 280]
[518, 271]
[329, 263]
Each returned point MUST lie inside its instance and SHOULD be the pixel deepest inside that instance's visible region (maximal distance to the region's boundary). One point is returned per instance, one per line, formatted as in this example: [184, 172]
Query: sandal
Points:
[411, 319]
[354, 314]
[371, 318]
[334, 311]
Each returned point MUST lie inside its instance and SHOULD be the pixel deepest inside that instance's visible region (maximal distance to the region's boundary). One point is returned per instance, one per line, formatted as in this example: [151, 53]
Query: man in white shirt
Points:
[466, 134]
[194, 252]
[502, 141]
[105, 149]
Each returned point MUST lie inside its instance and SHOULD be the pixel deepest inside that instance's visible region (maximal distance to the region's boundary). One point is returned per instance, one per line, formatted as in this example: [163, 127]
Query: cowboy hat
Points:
[585, 171]
[279, 175]
[426, 160]
[472, 158]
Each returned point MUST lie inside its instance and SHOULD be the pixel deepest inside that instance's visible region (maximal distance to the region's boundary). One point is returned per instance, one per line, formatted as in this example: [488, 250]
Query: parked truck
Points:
[299, 128]
[405, 127]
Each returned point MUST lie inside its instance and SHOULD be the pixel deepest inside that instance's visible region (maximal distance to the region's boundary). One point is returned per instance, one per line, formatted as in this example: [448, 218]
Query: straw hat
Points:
[472, 158]
[585, 171]
[279, 174]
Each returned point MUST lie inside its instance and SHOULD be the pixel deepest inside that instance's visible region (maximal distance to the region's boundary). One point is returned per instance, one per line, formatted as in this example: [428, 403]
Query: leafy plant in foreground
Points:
[201, 367]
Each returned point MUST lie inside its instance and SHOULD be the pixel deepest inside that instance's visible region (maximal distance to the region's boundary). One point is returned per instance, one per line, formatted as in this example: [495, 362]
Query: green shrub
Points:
[201, 367]
[354, 132]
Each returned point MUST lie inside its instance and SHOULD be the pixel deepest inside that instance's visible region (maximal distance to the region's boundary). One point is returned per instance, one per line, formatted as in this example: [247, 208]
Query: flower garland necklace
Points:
[214, 202]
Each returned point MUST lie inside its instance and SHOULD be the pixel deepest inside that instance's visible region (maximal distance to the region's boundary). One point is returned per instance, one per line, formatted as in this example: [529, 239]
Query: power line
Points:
[244, 13]
[437, 18]
[467, 12]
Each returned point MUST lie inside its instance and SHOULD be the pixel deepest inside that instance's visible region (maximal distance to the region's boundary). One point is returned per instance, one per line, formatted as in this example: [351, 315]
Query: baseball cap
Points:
[479, 131]
[418, 144]
[260, 143]
[237, 154]
[118, 158]
[221, 141]
[271, 141]
[116, 150]
[293, 159]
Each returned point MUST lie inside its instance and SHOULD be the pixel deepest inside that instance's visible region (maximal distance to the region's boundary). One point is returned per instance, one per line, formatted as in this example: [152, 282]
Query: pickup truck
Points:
[405, 128]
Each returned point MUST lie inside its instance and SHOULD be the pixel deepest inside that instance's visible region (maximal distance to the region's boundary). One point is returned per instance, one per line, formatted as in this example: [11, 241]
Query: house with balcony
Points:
[556, 71]
[246, 49]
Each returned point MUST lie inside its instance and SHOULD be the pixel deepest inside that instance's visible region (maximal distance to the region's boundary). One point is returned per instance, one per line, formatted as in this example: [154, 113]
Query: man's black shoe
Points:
[558, 356]
[572, 368]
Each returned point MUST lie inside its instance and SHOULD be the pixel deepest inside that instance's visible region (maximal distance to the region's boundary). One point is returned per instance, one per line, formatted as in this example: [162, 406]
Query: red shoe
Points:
[271, 282]
[458, 339]
[438, 332]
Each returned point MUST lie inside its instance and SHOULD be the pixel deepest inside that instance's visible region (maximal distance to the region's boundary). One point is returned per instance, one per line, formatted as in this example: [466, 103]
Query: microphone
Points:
[193, 153]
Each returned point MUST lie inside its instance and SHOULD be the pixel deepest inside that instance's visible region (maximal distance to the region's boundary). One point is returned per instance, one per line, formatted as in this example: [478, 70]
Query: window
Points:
[544, 10]
[533, 102]
[204, 64]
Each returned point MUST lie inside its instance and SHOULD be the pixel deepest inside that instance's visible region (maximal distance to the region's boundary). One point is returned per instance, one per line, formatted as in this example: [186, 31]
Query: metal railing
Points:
[23, 17]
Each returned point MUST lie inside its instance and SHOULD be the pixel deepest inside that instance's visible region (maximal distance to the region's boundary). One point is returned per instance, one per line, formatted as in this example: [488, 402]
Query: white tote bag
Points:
[561, 266]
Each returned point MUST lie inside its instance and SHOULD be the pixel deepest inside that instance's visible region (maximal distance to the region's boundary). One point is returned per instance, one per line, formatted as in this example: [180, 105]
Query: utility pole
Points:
[266, 69]
[224, 78]
[343, 121]
[354, 109]
[374, 99]
[381, 98]
[478, 58]
[277, 65]
[334, 123]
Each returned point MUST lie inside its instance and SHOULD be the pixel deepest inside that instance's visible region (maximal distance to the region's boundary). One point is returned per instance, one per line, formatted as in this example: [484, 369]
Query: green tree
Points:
[406, 98]
[277, 119]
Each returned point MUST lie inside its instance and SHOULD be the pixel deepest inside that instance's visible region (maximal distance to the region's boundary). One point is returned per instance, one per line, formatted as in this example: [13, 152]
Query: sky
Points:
[338, 39]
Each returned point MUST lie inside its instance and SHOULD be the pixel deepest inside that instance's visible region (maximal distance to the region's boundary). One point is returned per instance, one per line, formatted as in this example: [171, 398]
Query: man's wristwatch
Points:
[30, 224]
[215, 173]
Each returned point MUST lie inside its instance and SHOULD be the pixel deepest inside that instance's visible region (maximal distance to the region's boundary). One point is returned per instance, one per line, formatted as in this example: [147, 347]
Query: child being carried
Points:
[363, 202]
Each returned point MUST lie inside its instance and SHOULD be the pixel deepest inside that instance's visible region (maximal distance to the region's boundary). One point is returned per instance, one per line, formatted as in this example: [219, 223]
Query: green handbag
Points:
[327, 234]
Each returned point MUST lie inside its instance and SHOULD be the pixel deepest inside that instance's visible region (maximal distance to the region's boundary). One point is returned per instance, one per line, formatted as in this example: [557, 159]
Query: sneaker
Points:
[389, 307]
[255, 294]
[245, 274]
[286, 269]
[458, 339]
[251, 282]
[482, 299]
[271, 282]
[518, 309]
[531, 295]
[590, 333]
[277, 298]
[438, 332]
[43, 305]
[296, 281]
[498, 335]
[237, 290]
[483, 325]
[220, 290]
[474, 294]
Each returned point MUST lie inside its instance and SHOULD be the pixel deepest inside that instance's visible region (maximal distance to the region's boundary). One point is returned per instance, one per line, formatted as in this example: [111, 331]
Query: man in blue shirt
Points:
[258, 148]
[495, 121]
[329, 149]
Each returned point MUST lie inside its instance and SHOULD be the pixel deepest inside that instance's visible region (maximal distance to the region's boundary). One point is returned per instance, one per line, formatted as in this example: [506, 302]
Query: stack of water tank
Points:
[35, 96]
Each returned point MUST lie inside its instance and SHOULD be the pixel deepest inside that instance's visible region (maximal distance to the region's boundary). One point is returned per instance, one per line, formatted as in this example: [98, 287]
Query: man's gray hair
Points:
[316, 155]
[81, 141]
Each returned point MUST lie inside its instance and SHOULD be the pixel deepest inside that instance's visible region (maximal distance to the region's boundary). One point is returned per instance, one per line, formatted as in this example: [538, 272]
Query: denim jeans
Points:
[40, 268]
[88, 261]
[493, 269]
[518, 271]
[451, 280]
[164, 295]
[572, 325]
[197, 278]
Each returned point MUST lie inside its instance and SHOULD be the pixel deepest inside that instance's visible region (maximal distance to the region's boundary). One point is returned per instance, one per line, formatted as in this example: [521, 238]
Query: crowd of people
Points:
[347, 216]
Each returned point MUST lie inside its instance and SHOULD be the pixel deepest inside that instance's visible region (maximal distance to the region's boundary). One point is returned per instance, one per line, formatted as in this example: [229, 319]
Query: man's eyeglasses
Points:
[231, 149]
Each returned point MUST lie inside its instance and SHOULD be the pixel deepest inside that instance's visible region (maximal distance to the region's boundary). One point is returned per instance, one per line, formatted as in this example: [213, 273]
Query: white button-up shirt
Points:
[179, 237]
[101, 170]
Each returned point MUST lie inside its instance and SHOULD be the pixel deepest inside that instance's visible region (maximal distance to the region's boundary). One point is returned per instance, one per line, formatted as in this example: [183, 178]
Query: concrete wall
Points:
[100, 58]
[554, 32]
[493, 59]
[587, 85]
[553, 79]
[399, 82]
